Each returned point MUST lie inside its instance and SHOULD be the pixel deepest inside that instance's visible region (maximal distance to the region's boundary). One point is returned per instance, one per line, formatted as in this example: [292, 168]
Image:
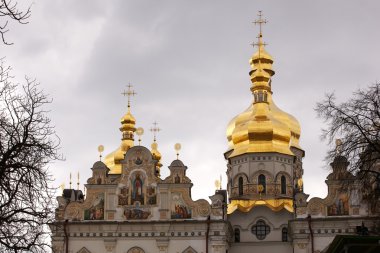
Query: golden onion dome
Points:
[113, 160]
[156, 156]
[263, 127]
[128, 119]
[155, 153]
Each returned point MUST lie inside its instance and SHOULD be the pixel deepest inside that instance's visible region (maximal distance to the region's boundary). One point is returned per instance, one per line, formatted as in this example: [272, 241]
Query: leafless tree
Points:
[28, 143]
[9, 11]
[356, 123]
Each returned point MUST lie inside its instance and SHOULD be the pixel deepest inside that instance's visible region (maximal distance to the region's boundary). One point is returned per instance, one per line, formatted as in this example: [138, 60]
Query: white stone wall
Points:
[263, 247]
[249, 242]
[162, 237]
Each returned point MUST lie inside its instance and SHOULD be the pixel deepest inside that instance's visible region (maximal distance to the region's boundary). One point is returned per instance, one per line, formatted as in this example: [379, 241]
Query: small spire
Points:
[177, 148]
[260, 44]
[128, 93]
[140, 132]
[70, 180]
[78, 182]
[155, 130]
[155, 153]
[100, 150]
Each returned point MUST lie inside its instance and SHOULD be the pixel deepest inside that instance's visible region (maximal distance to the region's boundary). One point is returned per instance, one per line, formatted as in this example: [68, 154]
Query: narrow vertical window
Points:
[285, 234]
[261, 96]
[262, 181]
[283, 185]
[240, 185]
[237, 234]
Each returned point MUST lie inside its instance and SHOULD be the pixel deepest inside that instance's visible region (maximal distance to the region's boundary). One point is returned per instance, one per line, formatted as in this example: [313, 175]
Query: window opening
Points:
[262, 181]
[240, 185]
[283, 185]
[284, 234]
[237, 234]
[260, 229]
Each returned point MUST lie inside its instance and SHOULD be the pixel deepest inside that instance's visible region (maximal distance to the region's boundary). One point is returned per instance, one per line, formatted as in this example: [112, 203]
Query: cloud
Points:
[188, 62]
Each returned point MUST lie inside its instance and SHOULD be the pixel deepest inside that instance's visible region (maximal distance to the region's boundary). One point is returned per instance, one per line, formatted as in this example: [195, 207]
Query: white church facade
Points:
[129, 208]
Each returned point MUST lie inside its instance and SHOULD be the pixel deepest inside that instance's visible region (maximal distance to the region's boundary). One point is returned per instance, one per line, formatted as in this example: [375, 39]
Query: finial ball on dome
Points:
[140, 131]
[177, 147]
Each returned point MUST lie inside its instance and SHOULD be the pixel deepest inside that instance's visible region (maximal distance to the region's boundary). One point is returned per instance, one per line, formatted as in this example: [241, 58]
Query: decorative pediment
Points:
[84, 250]
[99, 174]
[136, 250]
[137, 156]
[177, 173]
[189, 250]
[337, 203]
[177, 178]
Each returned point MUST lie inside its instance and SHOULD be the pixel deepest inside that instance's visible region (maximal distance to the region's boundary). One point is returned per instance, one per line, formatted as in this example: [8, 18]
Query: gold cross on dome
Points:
[129, 93]
[259, 43]
[260, 21]
[155, 130]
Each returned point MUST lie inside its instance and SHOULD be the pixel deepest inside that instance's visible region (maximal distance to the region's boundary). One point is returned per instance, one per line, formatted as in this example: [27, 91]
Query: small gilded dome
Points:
[128, 118]
[263, 57]
[156, 154]
[127, 129]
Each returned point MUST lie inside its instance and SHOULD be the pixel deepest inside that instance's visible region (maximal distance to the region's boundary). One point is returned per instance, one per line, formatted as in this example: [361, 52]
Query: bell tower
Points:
[264, 163]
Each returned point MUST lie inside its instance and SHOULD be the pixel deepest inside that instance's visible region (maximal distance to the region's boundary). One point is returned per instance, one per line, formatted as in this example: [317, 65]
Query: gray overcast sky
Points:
[188, 62]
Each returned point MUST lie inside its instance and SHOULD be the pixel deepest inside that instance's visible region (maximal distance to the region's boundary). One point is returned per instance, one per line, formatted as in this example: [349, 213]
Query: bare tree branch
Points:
[9, 11]
[357, 123]
[28, 143]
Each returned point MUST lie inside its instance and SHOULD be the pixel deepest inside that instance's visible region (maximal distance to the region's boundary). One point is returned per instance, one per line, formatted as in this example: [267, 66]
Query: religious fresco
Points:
[96, 211]
[139, 157]
[151, 195]
[179, 210]
[136, 212]
[137, 182]
[339, 207]
[123, 196]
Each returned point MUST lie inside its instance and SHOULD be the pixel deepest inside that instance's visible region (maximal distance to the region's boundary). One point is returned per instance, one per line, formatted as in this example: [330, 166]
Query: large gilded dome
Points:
[262, 127]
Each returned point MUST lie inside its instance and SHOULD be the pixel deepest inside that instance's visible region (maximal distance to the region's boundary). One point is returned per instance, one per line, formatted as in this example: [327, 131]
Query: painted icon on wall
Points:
[179, 210]
[151, 195]
[137, 181]
[339, 207]
[123, 196]
[136, 212]
[96, 211]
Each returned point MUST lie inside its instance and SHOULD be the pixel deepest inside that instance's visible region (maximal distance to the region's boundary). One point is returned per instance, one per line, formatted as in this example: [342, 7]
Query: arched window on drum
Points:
[262, 181]
[283, 185]
[240, 185]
